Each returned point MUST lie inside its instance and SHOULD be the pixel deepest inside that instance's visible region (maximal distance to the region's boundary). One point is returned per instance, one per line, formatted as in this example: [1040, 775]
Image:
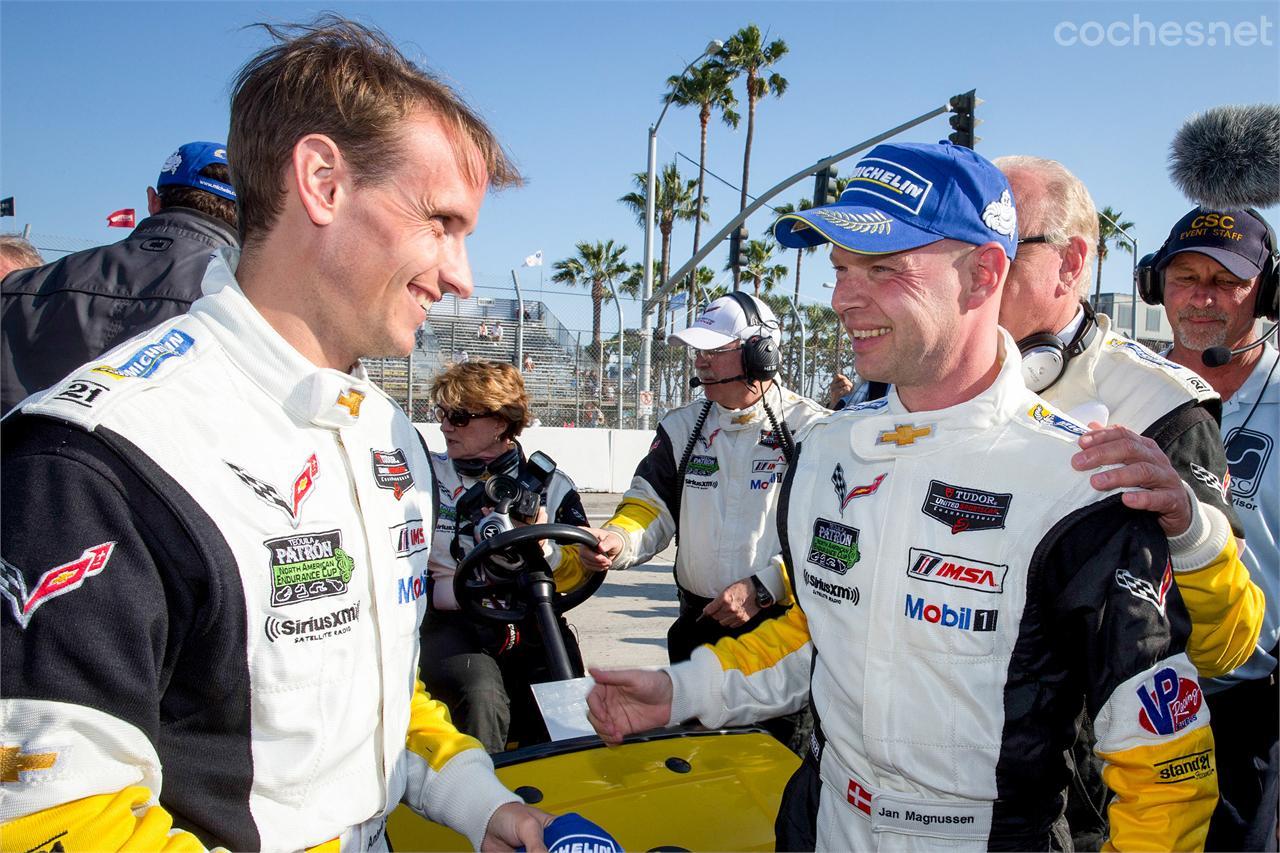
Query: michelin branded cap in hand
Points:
[182, 169]
[908, 195]
[724, 322]
[573, 833]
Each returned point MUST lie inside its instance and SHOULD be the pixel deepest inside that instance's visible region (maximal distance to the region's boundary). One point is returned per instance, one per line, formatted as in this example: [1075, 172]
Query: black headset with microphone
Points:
[1150, 279]
[1045, 355]
[760, 357]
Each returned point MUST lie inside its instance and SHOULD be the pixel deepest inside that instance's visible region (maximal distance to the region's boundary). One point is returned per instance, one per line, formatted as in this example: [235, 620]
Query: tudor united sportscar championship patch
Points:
[834, 546]
[964, 509]
[308, 566]
[391, 471]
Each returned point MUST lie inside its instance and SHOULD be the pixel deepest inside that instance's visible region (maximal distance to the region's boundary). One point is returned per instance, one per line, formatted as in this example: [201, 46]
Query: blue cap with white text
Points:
[907, 195]
[182, 169]
[573, 833]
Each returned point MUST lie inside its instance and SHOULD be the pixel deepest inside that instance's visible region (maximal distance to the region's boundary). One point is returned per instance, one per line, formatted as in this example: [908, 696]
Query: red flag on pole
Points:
[122, 218]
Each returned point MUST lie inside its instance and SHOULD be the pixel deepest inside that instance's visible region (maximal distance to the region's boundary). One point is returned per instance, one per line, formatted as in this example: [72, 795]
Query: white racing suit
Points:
[212, 602]
[963, 594]
[728, 498]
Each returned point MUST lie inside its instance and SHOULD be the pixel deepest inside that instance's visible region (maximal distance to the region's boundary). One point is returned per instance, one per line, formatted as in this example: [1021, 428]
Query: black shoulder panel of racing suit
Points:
[1189, 435]
[658, 468]
[571, 510]
[156, 638]
[1082, 634]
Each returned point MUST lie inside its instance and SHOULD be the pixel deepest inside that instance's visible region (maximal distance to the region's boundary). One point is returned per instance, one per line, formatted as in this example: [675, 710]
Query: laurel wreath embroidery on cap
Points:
[859, 223]
[1000, 216]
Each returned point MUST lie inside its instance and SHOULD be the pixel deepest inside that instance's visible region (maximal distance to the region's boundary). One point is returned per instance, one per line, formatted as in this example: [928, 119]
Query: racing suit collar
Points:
[779, 399]
[320, 396]
[893, 431]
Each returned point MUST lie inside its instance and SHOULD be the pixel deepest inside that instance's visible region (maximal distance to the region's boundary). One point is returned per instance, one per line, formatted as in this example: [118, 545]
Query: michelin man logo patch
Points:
[1000, 215]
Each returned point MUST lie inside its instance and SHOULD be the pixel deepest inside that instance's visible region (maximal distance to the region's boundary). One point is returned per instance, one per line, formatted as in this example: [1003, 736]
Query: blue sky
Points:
[96, 95]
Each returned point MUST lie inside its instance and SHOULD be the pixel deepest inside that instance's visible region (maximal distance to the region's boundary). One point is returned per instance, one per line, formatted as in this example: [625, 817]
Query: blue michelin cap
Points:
[182, 169]
[907, 195]
[573, 833]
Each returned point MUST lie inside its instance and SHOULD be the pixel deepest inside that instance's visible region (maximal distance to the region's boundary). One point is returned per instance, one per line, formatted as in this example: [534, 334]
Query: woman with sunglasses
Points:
[483, 671]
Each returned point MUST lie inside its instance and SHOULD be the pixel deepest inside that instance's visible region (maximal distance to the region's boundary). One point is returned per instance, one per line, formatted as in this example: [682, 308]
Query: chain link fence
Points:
[571, 364]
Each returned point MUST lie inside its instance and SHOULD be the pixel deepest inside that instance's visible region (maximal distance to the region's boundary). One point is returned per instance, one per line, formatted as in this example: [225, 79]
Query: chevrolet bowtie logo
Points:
[351, 402]
[13, 762]
[904, 434]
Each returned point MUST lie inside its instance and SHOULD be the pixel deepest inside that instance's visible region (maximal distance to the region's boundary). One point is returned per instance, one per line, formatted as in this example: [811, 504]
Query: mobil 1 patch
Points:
[834, 546]
[962, 508]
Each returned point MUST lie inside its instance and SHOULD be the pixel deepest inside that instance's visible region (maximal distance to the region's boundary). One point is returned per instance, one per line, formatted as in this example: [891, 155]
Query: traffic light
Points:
[738, 247]
[964, 123]
[824, 187]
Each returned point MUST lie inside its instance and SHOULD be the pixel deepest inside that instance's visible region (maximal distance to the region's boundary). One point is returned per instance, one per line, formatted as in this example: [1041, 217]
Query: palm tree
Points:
[594, 264]
[673, 201]
[746, 53]
[764, 274]
[1110, 224]
[706, 87]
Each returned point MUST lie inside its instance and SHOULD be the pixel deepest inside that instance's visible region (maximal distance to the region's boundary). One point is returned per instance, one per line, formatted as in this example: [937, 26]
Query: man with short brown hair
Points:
[218, 644]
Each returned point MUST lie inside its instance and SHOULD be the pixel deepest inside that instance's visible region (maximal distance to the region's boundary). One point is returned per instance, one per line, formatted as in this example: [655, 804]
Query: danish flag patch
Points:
[53, 583]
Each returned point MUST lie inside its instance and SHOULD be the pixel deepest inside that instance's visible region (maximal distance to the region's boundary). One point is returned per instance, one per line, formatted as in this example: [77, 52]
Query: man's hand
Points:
[1144, 465]
[735, 606]
[840, 386]
[607, 549]
[625, 701]
[514, 825]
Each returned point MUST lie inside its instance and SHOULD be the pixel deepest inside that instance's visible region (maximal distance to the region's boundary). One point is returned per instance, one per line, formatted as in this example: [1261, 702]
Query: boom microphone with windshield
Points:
[1228, 158]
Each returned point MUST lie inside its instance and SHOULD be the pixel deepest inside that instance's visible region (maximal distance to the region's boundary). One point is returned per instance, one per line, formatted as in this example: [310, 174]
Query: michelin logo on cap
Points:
[890, 181]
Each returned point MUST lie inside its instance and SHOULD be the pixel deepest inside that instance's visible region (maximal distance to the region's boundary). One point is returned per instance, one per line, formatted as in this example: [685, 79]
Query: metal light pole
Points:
[799, 319]
[1133, 308]
[519, 357]
[622, 370]
[646, 314]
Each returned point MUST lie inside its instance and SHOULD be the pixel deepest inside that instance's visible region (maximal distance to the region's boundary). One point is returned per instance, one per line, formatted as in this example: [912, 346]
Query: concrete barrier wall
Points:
[598, 460]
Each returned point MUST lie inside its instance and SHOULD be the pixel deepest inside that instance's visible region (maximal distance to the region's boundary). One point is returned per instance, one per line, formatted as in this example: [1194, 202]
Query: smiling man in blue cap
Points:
[962, 593]
[60, 315]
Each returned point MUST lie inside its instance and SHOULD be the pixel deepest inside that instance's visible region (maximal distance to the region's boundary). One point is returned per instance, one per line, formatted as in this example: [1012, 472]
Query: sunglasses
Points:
[459, 417]
[1038, 239]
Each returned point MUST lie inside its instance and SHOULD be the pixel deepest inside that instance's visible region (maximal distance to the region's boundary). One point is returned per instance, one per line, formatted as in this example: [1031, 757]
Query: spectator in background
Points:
[63, 314]
[841, 386]
[497, 332]
[528, 364]
[483, 332]
[17, 253]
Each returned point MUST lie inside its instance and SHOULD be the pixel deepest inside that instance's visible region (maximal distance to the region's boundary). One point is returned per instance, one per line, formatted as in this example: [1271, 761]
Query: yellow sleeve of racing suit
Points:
[569, 573]
[432, 734]
[753, 677]
[1171, 813]
[1225, 606]
[118, 821]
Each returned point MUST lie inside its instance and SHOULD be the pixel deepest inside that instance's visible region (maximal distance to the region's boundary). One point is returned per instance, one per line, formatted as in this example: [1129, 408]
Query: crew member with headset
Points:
[711, 477]
[1216, 276]
[482, 670]
[1078, 362]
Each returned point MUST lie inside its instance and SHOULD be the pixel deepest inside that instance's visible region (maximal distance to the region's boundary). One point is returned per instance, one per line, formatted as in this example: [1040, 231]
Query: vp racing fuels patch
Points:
[53, 583]
[308, 566]
[964, 509]
[391, 471]
[834, 546]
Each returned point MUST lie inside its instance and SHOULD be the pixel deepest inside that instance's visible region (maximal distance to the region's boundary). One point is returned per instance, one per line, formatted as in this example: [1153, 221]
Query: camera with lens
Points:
[507, 497]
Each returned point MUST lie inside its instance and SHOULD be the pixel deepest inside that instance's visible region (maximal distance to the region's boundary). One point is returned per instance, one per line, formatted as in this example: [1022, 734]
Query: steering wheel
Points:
[492, 582]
